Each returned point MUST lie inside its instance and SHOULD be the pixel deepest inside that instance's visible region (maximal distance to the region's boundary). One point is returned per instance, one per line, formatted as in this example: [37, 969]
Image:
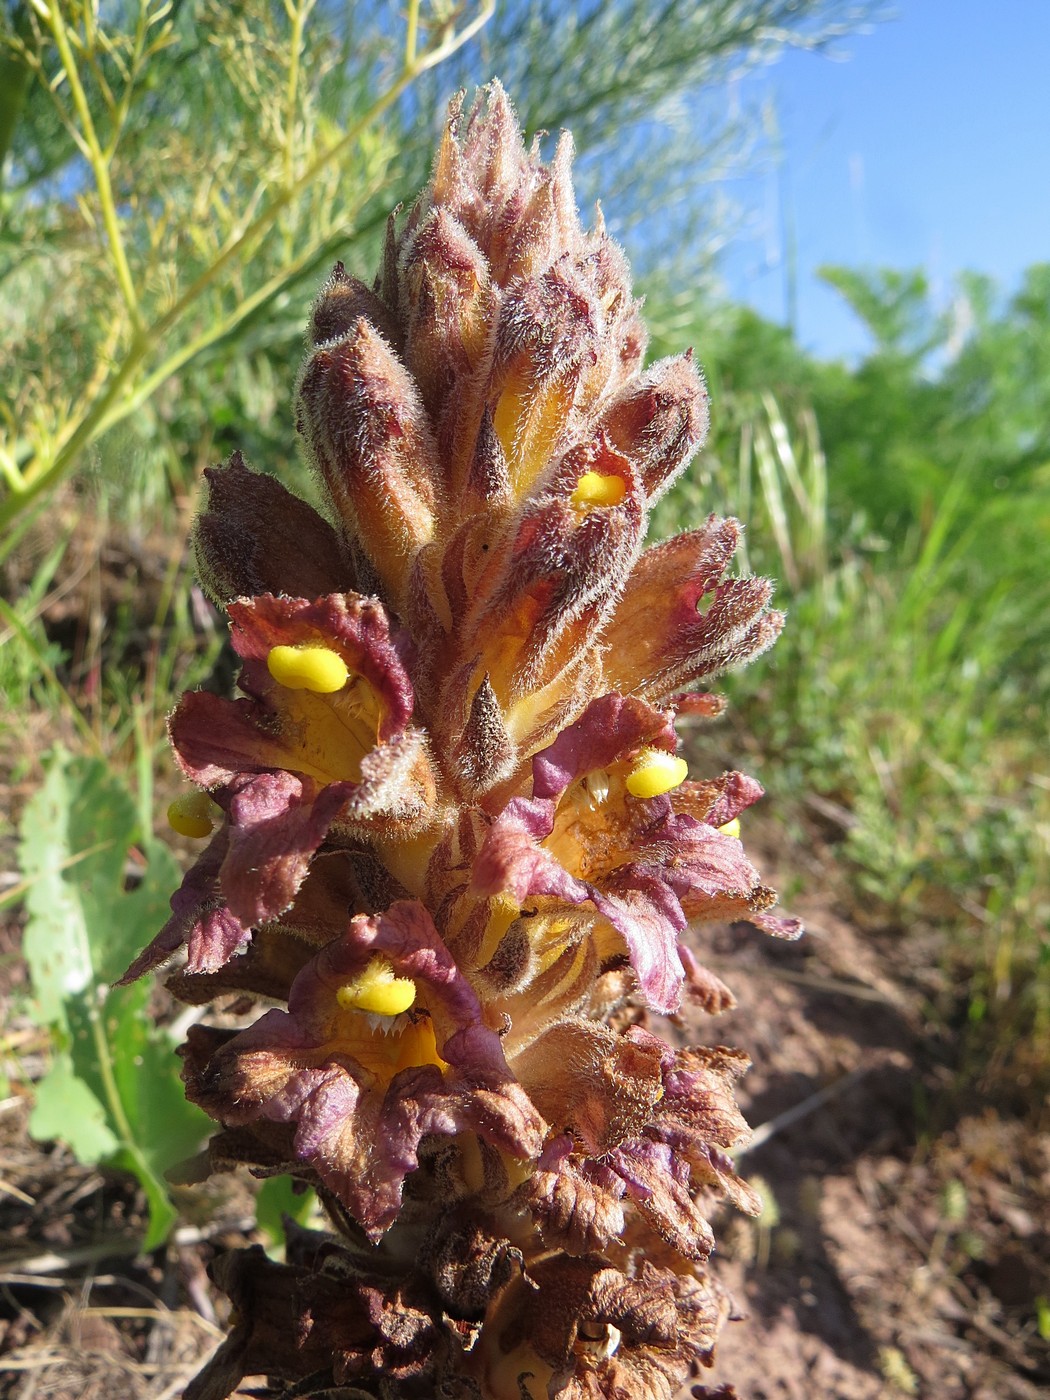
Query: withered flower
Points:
[455, 846]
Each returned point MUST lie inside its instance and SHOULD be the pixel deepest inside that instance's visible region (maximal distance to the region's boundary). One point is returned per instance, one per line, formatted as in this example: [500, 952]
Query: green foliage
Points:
[182, 174]
[177, 169]
[894, 307]
[94, 885]
[279, 1198]
[1042, 1313]
[905, 507]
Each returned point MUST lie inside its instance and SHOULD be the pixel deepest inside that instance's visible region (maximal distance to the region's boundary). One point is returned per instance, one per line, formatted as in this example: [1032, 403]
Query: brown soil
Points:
[906, 1244]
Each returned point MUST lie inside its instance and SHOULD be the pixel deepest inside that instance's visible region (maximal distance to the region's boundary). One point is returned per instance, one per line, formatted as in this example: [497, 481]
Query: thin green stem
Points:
[245, 241]
[16, 76]
[14, 894]
[99, 164]
[123, 106]
[104, 1063]
[214, 333]
[143, 771]
[297, 14]
[38, 481]
[109, 1083]
[14, 478]
[109, 408]
[280, 201]
[411, 32]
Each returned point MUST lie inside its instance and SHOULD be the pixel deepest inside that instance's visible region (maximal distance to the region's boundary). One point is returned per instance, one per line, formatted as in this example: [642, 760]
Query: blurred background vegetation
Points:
[177, 178]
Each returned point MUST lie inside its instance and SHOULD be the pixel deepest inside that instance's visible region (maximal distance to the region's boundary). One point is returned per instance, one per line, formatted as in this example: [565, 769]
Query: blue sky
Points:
[927, 144]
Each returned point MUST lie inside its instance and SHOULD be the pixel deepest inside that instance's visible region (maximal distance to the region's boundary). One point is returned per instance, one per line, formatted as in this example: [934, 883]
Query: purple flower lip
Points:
[288, 764]
[660, 641]
[645, 868]
[363, 1091]
[200, 919]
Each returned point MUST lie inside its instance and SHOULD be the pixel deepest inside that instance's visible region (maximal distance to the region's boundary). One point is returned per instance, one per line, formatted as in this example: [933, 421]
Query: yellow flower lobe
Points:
[193, 814]
[417, 1045]
[315, 668]
[378, 989]
[655, 772]
[731, 828]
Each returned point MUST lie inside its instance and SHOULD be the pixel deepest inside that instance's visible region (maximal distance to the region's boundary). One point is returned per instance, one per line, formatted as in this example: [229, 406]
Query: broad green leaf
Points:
[168, 1128]
[113, 1092]
[55, 945]
[66, 1108]
[85, 927]
[162, 1214]
[276, 1198]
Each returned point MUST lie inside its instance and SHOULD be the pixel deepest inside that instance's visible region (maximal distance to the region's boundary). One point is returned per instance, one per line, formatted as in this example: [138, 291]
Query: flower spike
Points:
[455, 857]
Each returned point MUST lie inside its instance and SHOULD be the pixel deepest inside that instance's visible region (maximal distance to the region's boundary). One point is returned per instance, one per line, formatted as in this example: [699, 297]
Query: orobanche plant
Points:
[451, 837]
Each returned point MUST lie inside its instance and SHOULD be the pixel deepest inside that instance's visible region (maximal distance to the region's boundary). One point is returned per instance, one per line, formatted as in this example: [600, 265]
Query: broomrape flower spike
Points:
[454, 858]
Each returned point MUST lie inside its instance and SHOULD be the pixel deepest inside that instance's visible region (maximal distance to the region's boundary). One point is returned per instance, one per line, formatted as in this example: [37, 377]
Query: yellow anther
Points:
[517, 1169]
[655, 772]
[471, 1162]
[308, 668]
[193, 814]
[731, 828]
[378, 989]
[594, 489]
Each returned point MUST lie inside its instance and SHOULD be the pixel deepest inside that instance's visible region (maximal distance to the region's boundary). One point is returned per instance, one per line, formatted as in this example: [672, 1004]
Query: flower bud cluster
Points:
[453, 846]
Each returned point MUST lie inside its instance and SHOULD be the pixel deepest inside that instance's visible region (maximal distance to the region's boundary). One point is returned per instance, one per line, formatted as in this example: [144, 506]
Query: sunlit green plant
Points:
[91, 878]
[178, 230]
[901, 505]
[175, 170]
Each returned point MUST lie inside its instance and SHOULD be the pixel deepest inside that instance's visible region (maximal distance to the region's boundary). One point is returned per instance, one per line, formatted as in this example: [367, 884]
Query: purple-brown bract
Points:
[456, 845]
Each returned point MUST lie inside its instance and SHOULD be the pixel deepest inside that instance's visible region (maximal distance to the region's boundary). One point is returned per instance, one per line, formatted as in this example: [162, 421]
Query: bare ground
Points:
[907, 1239]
